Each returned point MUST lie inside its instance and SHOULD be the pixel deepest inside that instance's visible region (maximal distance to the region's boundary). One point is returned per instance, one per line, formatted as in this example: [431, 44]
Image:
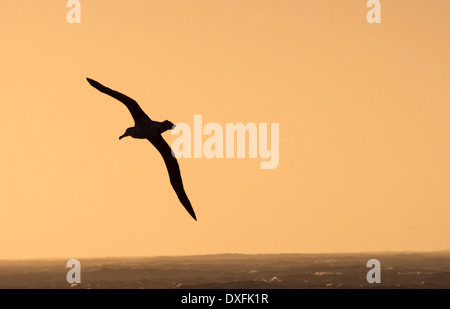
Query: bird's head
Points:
[128, 132]
[167, 125]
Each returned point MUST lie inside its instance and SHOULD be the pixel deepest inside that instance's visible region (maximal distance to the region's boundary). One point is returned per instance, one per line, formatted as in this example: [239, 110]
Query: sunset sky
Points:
[363, 111]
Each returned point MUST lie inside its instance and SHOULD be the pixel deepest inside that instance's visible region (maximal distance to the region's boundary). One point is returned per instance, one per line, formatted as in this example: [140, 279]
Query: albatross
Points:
[145, 128]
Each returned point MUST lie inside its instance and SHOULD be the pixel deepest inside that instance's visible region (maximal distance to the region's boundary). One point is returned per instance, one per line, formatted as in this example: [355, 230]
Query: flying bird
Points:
[145, 128]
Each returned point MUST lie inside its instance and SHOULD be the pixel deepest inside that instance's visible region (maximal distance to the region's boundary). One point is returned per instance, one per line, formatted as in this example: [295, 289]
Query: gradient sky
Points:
[364, 114]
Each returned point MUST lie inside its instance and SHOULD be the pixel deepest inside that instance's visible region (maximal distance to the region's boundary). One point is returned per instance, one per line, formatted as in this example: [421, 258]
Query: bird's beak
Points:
[174, 126]
[120, 137]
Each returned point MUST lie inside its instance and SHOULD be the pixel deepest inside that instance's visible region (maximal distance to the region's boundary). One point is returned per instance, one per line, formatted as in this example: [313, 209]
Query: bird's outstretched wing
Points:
[134, 108]
[174, 172]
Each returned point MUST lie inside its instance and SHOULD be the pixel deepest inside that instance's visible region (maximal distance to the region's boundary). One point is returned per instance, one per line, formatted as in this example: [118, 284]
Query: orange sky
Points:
[364, 113]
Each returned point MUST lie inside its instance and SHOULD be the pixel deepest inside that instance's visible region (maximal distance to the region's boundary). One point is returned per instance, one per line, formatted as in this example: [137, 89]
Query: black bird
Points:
[145, 128]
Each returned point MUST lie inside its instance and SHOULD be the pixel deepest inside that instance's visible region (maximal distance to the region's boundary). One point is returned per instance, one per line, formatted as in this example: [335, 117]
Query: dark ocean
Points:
[235, 271]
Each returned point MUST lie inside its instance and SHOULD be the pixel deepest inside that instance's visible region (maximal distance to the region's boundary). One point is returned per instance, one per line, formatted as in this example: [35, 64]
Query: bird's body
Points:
[148, 129]
[145, 128]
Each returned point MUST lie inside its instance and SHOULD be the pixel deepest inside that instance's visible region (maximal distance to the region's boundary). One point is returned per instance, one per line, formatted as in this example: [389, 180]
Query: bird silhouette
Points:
[145, 128]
